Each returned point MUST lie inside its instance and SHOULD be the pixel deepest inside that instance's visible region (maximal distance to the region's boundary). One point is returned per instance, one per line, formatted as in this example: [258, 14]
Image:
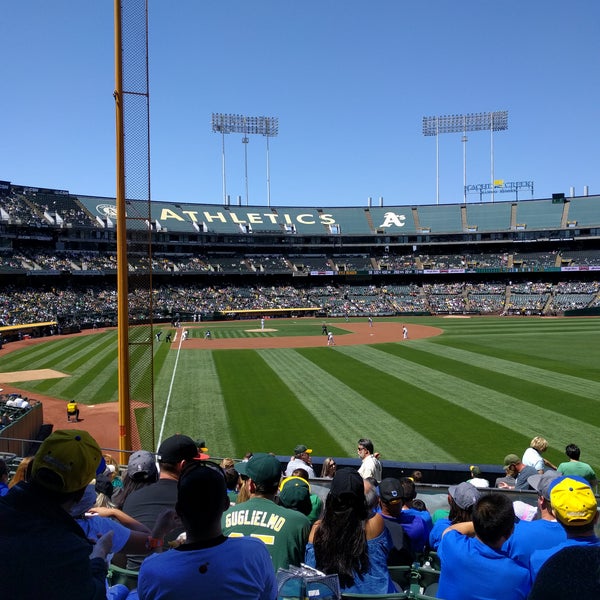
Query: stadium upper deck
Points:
[580, 216]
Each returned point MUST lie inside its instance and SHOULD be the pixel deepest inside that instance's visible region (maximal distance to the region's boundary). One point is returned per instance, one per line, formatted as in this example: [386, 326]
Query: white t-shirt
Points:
[533, 458]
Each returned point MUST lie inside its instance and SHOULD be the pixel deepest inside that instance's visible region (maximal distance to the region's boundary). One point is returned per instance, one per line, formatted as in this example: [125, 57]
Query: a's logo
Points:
[392, 218]
[107, 210]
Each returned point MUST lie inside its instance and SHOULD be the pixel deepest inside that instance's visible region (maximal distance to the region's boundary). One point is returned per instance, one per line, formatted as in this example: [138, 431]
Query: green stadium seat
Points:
[125, 576]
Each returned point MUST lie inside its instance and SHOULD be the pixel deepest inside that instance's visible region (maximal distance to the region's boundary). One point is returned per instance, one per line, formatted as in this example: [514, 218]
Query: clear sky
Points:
[349, 80]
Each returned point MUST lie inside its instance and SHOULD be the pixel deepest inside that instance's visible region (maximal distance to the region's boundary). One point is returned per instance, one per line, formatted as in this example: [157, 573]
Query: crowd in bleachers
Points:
[274, 264]
[178, 523]
[98, 303]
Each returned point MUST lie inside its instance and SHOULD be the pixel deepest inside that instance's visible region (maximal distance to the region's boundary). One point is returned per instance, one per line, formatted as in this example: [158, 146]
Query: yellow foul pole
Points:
[122, 271]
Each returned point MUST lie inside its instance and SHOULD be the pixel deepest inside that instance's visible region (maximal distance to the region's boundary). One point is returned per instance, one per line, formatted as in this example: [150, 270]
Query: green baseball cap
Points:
[261, 468]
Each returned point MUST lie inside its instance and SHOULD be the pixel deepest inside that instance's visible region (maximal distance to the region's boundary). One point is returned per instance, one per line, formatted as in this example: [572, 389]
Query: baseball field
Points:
[458, 390]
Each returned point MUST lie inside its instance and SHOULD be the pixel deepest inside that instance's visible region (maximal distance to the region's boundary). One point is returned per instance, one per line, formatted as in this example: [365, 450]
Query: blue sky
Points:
[349, 80]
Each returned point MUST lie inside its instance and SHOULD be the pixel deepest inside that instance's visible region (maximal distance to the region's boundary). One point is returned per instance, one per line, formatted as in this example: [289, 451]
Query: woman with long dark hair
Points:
[348, 541]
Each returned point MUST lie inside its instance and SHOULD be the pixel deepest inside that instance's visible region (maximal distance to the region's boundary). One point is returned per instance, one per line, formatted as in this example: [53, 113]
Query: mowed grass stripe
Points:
[545, 351]
[197, 407]
[427, 413]
[264, 414]
[347, 414]
[42, 356]
[504, 410]
[529, 389]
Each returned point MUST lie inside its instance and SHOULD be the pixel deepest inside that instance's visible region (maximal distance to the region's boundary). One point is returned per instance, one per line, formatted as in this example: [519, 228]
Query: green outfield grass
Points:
[479, 391]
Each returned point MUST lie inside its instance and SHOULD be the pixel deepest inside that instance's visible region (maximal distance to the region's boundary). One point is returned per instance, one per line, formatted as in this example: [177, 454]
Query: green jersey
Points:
[284, 531]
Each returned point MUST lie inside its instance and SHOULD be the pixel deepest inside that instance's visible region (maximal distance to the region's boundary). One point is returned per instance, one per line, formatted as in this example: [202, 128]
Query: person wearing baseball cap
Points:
[517, 469]
[35, 523]
[574, 506]
[538, 534]
[285, 529]
[461, 499]
[301, 460]
[147, 503]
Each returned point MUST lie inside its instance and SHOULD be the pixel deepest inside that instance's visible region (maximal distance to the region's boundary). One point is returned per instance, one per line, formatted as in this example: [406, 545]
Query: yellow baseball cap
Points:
[573, 501]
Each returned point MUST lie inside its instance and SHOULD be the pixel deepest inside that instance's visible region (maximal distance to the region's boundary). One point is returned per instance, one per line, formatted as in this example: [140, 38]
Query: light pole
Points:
[492, 121]
[267, 126]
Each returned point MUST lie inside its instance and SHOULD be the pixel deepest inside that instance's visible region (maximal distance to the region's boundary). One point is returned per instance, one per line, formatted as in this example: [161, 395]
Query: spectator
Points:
[391, 502]
[409, 494]
[574, 505]
[36, 524]
[315, 501]
[576, 467]
[146, 504]
[461, 499]
[370, 467]
[301, 460]
[473, 565]
[328, 469]
[294, 493]
[476, 479]
[532, 457]
[347, 542]
[141, 472]
[286, 530]
[515, 468]
[570, 573]
[208, 564]
[541, 533]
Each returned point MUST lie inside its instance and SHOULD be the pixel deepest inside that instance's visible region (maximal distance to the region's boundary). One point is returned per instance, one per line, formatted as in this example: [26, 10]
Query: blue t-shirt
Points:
[529, 536]
[377, 579]
[471, 570]
[229, 569]
[414, 527]
[539, 557]
[435, 535]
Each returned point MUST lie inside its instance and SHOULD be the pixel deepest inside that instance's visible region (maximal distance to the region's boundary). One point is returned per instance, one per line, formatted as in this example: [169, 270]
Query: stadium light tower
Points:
[267, 126]
[492, 121]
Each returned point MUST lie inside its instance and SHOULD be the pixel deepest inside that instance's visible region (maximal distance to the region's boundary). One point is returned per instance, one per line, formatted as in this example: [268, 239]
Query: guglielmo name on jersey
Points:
[258, 518]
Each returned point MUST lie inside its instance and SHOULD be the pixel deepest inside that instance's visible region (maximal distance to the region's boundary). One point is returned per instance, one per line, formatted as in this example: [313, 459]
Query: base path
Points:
[360, 333]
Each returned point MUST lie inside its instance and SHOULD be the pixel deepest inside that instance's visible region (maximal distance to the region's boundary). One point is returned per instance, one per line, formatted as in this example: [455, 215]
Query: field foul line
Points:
[164, 419]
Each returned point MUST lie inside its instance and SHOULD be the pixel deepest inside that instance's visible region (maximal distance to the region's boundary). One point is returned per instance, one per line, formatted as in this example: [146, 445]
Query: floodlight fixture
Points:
[485, 121]
[228, 123]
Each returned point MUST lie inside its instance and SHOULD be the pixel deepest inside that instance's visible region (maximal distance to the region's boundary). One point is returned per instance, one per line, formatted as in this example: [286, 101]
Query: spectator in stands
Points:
[541, 533]
[328, 469]
[576, 467]
[409, 494]
[208, 564]
[574, 505]
[391, 502]
[347, 542]
[473, 565]
[3, 478]
[146, 504]
[23, 471]
[141, 472]
[461, 499]
[294, 493]
[301, 460]
[570, 573]
[370, 467]
[315, 501]
[36, 524]
[476, 479]
[532, 457]
[261, 516]
[515, 468]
